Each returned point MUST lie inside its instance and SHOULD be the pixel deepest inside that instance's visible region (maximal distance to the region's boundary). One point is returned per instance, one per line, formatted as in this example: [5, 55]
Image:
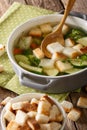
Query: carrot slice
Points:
[17, 51]
[33, 46]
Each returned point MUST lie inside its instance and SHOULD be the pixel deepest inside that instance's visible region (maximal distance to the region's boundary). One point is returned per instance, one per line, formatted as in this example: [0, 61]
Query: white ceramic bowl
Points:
[50, 84]
[28, 97]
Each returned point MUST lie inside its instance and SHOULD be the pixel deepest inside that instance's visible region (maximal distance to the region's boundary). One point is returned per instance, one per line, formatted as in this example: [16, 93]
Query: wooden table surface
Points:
[55, 5]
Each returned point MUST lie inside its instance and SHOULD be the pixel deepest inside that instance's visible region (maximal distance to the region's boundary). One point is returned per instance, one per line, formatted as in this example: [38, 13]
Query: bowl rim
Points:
[35, 20]
[29, 96]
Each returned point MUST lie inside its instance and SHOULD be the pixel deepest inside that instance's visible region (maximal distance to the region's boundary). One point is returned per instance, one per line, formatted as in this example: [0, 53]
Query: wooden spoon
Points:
[57, 35]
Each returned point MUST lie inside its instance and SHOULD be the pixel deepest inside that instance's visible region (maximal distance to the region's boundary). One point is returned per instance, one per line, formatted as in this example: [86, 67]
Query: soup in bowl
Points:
[68, 62]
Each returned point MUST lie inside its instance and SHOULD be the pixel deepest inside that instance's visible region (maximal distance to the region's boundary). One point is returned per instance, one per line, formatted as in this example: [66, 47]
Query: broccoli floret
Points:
[75, 34]
[33, 60]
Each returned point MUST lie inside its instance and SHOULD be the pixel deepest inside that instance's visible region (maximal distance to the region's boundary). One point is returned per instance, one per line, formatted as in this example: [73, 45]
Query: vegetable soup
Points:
[67, 59]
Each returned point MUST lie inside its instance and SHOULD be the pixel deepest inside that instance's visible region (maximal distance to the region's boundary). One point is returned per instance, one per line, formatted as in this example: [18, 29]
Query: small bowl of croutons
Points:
[33, 111]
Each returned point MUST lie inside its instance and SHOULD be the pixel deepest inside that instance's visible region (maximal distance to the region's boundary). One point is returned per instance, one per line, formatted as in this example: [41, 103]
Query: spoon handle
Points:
[66, 12]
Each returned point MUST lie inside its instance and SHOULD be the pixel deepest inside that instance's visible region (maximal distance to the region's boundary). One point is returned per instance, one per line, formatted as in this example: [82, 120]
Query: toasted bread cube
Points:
[1, 68]
[65, 29]
[45, 126]
[30, 107]
[42, 118]
[46, 28]
[21, 117]
[34, 100]
[32, 114]
[55, 47]
[58, 56]
[5, 101]
[9, 116]
[35, 32]
[78, 47]
[25, 127]
[69, 42]
[44, 107]
[2, 49]
[59, 118]
[82, 102]
[25, 106]
[67, 106]
[33, 124]
[47, 99]
[18, 105]
[63, 66]
[47, 63]
[74, 114]
[38, 53]
[50, 126]
[12, 125]
[8, 106]
[70, 52]
[54, 112]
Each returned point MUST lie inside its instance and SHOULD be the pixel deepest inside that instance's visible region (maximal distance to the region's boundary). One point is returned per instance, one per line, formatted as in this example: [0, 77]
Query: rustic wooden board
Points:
[79, 6]
[54, 5]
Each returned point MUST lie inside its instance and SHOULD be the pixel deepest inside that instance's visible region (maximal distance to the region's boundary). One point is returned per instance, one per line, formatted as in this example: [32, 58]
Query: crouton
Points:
[8, 106]
[78, 47]
[33, 124]
[25, 127]
[55, 47]
[65, 29]
[9, 116]
[5, 101]
[47, 63]
[58, 56]
[35, 32]
[69, 42]
[38, 53]
[67, 106]
[82, 102]
[34, 100]
[30, 107]
[25, 106]
[41, 118]
[2, 49]
[19, 105]
[44, 107]
[45, 126]
[74, 114]
[46, 28]
[54, 112]
[1, 68]
[70, 52]
[21, 117]
[32, 114]
[50, 126]
[59, 118]
[47, 98]
[12, 125]
[62, 66]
